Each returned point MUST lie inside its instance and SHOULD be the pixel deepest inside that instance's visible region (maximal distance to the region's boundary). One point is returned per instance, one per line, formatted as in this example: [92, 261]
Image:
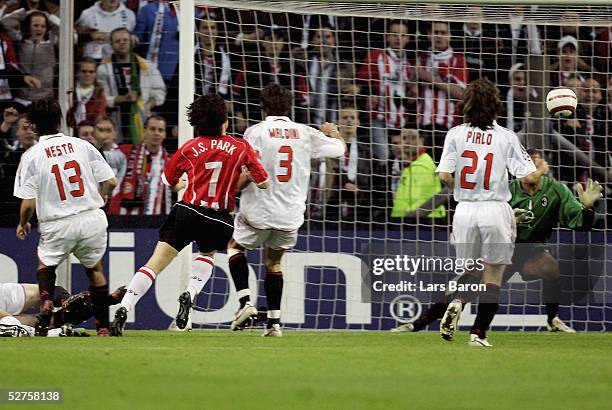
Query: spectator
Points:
[9, 161]
[97, 22]
[443, 75]
[313, 23]
[86, 131]
[25, 136]
[587, 131]
[603, 50]
[574, 26]
[273, 66]
[11, 77]
[157, 31]
[143, 191]
[485, 48]
[34, 5]
[569, 63]
[132, 86]
[37, 55]
[348, 180]
[515, 100]
[386, 76]
[525, 38]
[9, 118]
[88, 99]
[213, 66]
[414, 181]
[12, 20]
[136, 5]
[322, 66]
[105, 136]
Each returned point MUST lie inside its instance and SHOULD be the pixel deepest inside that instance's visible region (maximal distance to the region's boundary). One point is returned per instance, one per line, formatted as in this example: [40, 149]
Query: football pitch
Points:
[314, 370]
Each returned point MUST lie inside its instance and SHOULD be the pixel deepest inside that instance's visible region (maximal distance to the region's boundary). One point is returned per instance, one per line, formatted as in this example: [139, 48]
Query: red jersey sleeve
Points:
[174, 168]
[251, 160]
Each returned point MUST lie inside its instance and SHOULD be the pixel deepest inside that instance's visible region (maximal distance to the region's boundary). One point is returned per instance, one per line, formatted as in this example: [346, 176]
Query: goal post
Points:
[362, 204]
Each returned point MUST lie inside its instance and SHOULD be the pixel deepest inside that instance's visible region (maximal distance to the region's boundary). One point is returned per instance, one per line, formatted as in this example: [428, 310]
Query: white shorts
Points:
[12, 298]
[250, 238]
[83, 234]
[486, 230]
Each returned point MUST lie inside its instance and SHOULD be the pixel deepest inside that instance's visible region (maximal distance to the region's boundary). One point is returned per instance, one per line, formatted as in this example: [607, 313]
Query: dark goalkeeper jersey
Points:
[552, 204]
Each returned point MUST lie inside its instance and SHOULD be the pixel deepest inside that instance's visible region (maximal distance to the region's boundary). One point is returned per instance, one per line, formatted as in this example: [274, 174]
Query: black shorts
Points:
[210, 229]
[524, 252]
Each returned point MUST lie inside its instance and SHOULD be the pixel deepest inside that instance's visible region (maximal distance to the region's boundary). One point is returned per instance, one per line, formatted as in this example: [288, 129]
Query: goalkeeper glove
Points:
[592, 193]
[523, 216]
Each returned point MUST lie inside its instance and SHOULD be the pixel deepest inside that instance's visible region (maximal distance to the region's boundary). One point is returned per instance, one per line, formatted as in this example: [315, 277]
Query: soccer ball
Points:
[561, 102]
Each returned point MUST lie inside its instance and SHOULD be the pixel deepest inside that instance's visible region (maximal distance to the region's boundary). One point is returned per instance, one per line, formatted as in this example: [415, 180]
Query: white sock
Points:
[139, 285]
[202, 270]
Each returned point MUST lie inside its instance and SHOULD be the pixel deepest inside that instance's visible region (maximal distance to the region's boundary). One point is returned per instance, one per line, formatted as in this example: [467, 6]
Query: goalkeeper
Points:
[538, 207]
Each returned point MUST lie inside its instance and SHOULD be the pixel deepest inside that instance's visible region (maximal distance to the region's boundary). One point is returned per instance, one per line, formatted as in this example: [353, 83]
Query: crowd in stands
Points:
[392, 86]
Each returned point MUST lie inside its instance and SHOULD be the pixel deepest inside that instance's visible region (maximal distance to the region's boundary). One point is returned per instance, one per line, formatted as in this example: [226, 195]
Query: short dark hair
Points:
[88, 60]
[431, 24]
[481, 103]
[276, 100]
[396, 22]
[105, 118]
[154, 117]
[118, 30]
[207, 114]
[27, 23]
[533, 151]
[46, 116]
[85, 123]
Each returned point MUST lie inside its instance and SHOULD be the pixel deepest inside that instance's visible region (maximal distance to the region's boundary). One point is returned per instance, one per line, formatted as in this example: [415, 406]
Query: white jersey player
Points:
[63, 179]
[272, 218]
[480, 153]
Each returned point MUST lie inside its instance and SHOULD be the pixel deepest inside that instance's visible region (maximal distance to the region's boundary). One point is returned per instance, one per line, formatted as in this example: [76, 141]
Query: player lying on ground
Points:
[272, 218]
[480, 153]
[16, 299]
[540, 207]
[64, 179]
[213, 162]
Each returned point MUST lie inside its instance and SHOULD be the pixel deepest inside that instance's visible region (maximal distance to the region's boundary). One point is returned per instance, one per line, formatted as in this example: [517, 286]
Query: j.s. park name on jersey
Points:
[214, 144]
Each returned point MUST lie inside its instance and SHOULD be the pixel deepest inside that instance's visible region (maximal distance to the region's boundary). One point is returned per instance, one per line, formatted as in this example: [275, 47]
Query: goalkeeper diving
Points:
[538, 208]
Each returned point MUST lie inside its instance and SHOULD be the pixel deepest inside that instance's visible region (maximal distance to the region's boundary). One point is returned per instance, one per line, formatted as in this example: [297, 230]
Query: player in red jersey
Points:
[213, 163]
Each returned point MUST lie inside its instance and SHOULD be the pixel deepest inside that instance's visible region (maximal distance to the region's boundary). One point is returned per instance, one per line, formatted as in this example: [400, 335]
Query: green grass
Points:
[318, 370]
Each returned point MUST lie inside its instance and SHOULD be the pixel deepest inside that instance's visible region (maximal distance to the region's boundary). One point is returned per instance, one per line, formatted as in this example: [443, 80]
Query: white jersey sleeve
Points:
[253, 137]
[100, 168]
[448, 161]
[26, 179]
[519, 162]
[324, 146]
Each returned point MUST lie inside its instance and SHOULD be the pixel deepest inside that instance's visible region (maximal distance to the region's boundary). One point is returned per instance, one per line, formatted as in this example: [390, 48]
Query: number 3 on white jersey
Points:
[286, 153]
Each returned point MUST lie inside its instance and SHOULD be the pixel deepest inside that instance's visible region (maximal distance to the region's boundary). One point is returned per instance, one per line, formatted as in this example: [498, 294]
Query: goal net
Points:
[391, 76]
